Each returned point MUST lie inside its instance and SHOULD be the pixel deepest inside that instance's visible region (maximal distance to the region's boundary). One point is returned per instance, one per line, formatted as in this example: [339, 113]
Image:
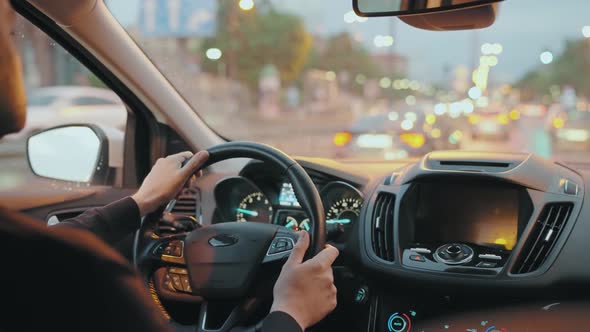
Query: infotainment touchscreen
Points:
[482, 214]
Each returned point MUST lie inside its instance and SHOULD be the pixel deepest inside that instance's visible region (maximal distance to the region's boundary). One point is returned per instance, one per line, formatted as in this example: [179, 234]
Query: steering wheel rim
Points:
[198, 242]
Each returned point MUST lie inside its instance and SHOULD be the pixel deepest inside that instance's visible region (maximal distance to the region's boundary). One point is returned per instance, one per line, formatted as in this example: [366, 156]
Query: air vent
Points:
[181, 213]
[543, 237]
[382, 226]
[473, 163]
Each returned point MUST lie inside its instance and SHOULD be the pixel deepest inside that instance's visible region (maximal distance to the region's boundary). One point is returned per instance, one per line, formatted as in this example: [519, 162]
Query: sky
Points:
[525, 28]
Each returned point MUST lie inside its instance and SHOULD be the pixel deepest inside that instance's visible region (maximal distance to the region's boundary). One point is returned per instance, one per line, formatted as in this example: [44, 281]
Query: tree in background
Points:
[571, 68]
[253, 39]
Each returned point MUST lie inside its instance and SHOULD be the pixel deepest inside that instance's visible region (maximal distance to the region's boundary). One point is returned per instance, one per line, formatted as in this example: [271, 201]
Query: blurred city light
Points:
[440, 109]
[489, 49]
[431, 119]
[482, 102]
[393, 116]
[488, 60]
[467, 106]
[405, 83]
[360, 79]
[246, 4]
[586, 31]
[213, 54]
[414, 140]
[415, 85]
[352, 17]
[383, 41]
[330, 75]
[407, 124]
[412, 116]
[385, 82]
[381, 141]
[474, 93]
[514, 114]
[341, 139]
[546, 57]
[558, 123]
[435, 133]
[411, 100]
[456, 137]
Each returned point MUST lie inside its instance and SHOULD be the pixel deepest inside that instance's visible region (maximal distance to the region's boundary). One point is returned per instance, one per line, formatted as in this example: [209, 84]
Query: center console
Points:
[461, 225]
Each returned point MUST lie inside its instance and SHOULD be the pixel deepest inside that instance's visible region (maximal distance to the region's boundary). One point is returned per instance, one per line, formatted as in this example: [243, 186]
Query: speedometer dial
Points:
[254, 207]
[344, 211]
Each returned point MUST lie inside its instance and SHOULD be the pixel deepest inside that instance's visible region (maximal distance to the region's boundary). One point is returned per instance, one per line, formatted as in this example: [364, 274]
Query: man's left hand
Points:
[166, 179]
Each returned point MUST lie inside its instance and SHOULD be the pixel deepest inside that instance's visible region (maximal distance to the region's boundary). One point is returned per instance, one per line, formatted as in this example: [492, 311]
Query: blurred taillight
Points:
[342, 138]
[413, 140]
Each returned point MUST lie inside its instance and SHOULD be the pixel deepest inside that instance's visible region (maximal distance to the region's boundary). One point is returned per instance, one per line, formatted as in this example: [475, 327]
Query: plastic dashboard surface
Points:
[552, 234]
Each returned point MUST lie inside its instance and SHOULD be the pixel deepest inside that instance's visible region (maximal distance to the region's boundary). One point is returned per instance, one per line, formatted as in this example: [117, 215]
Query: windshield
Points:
[312, 78]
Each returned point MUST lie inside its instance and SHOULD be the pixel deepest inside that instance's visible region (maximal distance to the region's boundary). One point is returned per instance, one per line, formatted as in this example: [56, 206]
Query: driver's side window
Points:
[60, 91]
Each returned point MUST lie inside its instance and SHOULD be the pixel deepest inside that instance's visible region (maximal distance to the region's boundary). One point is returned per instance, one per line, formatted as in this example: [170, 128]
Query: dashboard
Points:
[257, 195]
[425, 241]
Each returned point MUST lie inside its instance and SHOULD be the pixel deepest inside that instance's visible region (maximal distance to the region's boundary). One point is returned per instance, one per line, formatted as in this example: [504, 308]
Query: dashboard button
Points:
[490, 257]
[421, 250]
[487, 265]
[570, 187]
[398, 323]
[186, 286]
[361, 295]
[417, 258]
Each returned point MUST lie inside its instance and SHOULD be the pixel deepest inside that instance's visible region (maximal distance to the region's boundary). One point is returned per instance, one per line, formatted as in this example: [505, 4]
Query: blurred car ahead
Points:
[383, 136]
[571, 131]
[492, 125]
[59, 105]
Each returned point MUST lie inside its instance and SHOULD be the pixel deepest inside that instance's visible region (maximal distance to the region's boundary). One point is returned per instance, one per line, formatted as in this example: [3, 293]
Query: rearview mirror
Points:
[370, 8]
[71, 153]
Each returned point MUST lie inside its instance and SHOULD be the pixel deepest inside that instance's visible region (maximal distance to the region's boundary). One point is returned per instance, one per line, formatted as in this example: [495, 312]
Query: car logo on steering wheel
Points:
[223, 240]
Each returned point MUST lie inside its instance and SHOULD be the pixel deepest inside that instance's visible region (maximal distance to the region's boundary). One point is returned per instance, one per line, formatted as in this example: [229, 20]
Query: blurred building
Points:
[391, 63]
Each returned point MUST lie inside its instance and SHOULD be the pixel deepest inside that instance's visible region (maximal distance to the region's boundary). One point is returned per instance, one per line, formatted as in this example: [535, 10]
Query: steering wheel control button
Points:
[454, 254]
[280, 245]
[487, 265]
[417, 258]
[177, 270]
[176, 282]
[399, 323]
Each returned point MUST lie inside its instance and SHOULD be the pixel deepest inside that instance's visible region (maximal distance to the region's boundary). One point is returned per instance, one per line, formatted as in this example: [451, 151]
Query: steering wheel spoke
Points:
[212, 318]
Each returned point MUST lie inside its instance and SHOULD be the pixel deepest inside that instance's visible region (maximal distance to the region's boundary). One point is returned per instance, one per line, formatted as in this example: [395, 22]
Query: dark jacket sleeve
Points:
[110, 223]
[278, 321]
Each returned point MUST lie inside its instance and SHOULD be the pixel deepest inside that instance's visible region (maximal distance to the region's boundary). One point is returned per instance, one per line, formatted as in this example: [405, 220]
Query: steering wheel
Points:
[222, 262]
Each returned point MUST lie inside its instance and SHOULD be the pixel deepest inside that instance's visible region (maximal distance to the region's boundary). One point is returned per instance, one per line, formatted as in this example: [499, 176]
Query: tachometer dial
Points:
[254, 207]
[344, 211]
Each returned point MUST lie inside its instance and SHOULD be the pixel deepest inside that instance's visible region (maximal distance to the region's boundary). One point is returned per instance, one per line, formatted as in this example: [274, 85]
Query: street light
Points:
[246, 4]
[213, 54]
[546, 57]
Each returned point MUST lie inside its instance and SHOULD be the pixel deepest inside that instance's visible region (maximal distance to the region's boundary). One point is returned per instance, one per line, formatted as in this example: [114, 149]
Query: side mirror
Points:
[76, 153]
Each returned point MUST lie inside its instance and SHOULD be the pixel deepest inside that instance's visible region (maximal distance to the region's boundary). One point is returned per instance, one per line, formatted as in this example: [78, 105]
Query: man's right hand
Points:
[305, 290]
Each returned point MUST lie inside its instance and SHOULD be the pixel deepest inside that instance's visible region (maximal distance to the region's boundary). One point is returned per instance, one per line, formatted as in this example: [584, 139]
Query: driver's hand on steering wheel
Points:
[305, 290]
[166, 179]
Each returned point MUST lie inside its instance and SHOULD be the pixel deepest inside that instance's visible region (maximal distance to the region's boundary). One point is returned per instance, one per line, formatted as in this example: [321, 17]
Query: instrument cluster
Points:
[240, 199]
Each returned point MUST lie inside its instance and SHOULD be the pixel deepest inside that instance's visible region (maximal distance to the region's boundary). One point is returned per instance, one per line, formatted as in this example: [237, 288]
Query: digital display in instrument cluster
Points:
[287, 196]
